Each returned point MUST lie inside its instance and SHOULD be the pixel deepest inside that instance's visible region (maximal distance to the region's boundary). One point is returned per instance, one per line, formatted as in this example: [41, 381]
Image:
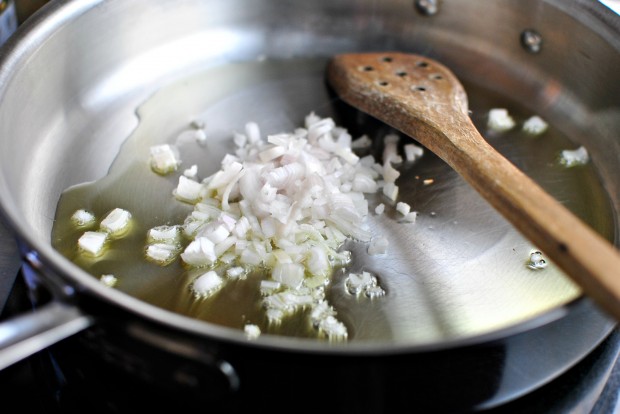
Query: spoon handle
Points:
[584, 255]
[425, 100]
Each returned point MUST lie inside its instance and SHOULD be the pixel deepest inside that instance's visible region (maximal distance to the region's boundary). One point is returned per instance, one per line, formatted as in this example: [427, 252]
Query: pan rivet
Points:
[531, 41]
[427, 7]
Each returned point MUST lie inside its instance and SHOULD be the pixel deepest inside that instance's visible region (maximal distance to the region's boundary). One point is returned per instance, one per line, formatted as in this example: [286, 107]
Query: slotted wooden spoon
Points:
[424, 99]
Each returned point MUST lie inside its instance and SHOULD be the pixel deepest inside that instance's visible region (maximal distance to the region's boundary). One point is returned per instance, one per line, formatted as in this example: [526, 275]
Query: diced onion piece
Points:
[403, 208]
[364, 183]
[250, 257]
[321, 311]
[535, 125]
[108, 280]
[207, 284]
[363, 284]
[288, 301]
[236, 272]
[251, 331]
[348, 155]
[163, 233]
[320, 128]
[500, 120]
[378, 245]
[116, 222]
[350, 228]
[571, 158]
[191, 172]
[374, 292]
[272, 153]
[390, 174]
[361, 142]
[187, 190]
[413, 152]
[311, 119]
[274, 316]
[268, 227]
[241, 227]
[162, 253]
[281, 256]
[200, 252]
[289, 274]
[252, 131]
[225, 176]
[92, 242]
[317, 261]
[390, 150]
[269, 286]
[380, 209]
[216, 232]
[224, 246]
[83, 218]
[333, 329]
[356, 283]
[228, 221]
[410, 217]
[164, 159]
[228, 258]
[390, 190]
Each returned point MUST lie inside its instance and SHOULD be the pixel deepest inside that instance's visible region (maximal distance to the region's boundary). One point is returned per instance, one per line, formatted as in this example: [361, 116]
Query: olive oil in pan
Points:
[459, 270]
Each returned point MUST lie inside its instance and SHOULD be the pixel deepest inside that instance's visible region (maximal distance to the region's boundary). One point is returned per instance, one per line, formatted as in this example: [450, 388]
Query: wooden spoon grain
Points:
[424, 99]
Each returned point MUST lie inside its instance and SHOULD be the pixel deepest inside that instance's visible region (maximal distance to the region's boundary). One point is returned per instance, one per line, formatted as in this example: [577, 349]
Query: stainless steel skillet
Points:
[115, 70]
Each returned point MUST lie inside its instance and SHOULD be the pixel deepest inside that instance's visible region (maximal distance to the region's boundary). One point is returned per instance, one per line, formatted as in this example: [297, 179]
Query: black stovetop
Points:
[590, 387]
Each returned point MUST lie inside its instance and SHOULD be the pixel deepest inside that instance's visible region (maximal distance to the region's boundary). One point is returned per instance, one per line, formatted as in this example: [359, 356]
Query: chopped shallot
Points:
[108, 280]
[251, 331]
[535, 125]
[378, 245]
[206, 284]
[164, 159]
[92, 242]
[285, 203]
[500, 120]
[413, 152]
[116, 222]
[571, 158]
[83, 218]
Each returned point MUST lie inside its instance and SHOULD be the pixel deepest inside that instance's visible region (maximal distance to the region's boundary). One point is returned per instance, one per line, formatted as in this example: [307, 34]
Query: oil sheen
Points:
[459, 270]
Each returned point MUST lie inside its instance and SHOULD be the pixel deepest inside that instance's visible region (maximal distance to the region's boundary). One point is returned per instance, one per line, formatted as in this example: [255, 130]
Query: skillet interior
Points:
[82, 101]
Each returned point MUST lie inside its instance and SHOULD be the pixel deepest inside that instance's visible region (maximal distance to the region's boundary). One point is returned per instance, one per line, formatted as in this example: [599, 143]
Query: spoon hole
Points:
[436, 76]
[422, 64]
[401, 73]
[386, 59]
[418, 88]
[366, 68]
[383, 83]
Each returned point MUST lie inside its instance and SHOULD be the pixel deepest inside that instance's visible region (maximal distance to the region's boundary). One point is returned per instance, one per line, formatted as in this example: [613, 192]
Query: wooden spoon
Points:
[425, 100]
